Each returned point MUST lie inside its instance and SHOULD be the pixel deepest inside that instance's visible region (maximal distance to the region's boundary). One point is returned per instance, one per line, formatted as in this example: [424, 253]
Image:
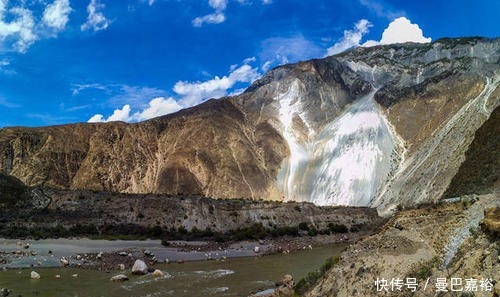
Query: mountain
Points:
[381, 126]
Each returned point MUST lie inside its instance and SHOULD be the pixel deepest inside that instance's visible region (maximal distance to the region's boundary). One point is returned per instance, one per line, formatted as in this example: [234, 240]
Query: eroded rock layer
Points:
[379, 126]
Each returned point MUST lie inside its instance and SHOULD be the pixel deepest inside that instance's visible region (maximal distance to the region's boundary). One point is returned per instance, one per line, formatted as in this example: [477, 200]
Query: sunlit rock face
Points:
[345, 163]
[381, 126]
[400, 144]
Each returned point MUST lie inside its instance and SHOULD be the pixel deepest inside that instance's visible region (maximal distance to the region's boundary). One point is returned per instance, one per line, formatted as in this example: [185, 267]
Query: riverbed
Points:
[229, 277]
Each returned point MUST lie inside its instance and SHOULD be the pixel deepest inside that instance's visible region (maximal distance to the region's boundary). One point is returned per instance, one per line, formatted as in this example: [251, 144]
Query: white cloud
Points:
[398, 31]
[20, 29]
[213, 18]
[97, 118]
[189, 94]
[95, 19]
[218, 15]
[4, 67]
[120, 114]
[196, 92]
[402, 30]
[218, 4]
[283, 50]
[56, 15]
[266, 66]
[158, 107]
[351, 38]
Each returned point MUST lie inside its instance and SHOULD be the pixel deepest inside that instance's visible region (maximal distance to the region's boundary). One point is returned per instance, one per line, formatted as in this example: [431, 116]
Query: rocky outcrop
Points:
[491, 220]
[209, 149]
[380, 126]
[434, 241]
[85, 208]
[479, 172]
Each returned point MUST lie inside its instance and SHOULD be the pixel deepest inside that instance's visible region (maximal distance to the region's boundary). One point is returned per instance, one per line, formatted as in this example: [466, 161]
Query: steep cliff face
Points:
[210, 149]
[479, 172]
[378, 126]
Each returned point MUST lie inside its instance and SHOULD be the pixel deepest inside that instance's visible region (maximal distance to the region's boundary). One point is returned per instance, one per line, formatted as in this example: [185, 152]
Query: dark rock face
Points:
[12, 191]
[479, 173]
[428, 100]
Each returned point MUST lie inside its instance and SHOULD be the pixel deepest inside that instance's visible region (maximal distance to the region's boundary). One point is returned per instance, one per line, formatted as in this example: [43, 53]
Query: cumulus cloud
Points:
[196, 92]
[95, 19]
[398, 31]
[158, 107]
[188, 94]
[56, 14]
[351, 38]
[20, 29]
[402, 30]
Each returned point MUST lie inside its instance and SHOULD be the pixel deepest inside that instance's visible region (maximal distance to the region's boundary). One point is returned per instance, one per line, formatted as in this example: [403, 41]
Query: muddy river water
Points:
[232, 277]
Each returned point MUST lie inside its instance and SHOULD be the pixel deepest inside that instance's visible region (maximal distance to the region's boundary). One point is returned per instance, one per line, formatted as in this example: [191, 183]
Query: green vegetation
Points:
[134, 231]
[424, 270]
[311, 278]
[304, 226]
[337, 228]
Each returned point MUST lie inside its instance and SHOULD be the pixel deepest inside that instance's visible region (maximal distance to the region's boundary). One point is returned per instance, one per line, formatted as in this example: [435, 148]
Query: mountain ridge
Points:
[270, 141]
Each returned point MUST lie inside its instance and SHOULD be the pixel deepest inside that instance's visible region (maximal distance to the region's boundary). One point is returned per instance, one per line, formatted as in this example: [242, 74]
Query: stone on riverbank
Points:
[158, 273]
[119, 278]
[34, 275]
[139, 268]
[4, 292]
[64, 262]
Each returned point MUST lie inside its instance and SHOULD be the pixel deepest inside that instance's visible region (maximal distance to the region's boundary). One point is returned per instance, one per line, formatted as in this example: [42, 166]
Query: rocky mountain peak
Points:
[376, 126]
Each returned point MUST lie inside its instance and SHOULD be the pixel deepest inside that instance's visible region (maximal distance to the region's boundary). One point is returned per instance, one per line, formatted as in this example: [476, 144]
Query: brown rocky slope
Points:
[433, 98]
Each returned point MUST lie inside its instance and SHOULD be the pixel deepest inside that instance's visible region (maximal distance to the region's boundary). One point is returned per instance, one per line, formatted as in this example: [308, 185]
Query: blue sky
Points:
[68, 61]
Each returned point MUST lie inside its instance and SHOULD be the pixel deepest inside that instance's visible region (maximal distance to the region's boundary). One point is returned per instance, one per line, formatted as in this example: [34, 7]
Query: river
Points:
[232, 277]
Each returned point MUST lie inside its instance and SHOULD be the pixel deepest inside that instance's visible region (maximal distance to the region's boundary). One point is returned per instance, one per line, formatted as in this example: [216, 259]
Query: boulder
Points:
[64, 262]
[34, 275]
[121, 266]
[139, 268]
[286, 280]
[158, 273]
[119, 278]
[4, 292]
[491, 221]
[285, 286]
[256, 249]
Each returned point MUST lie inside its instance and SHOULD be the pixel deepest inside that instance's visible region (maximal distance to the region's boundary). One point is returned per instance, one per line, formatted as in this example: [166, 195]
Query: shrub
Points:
[304, 226]
[337, 228]
[312, 232]
[304, 284]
